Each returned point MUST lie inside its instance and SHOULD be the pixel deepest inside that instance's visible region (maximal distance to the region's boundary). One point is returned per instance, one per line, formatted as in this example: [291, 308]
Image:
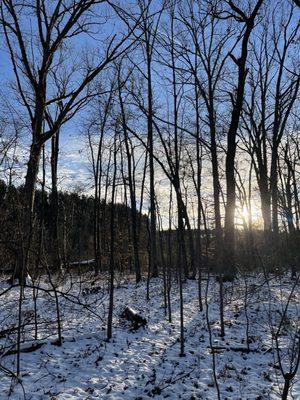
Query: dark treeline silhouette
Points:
[75, 232]
[76, 240]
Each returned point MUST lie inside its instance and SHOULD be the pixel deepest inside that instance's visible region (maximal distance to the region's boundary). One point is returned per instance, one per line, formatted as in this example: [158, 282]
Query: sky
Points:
[74, 164]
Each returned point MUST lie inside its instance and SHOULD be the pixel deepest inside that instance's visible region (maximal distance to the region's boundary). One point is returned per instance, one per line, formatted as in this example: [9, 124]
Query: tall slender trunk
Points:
[216, 184]
[29, 197]
[199, 201]
[112, 248]
[229, 245]
[170, 258]
[179, 270]
[286, 388]
[274, 188]
[153, 238]
[54, 200]
[133, 205]
[22, 272]
[265, 197]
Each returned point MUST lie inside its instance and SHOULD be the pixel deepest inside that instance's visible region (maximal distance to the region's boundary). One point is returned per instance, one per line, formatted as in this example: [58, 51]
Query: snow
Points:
[146, 364]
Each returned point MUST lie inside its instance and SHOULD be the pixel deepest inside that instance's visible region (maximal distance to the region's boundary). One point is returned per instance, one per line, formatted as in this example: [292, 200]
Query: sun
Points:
[251, 215]
[245, 213]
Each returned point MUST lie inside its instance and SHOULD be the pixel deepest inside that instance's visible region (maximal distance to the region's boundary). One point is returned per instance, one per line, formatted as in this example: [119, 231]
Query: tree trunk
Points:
[153, 239]
[179, 269]
[54, 200]
[29, 196]
[285, 388]
[229, 240]
[265, 204]
[133, 206]
[229, 245]
[274, 189]
[112, 248]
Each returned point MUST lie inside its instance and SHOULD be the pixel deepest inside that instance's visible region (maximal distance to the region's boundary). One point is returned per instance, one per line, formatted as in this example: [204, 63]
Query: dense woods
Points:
[153, 144]
[75, 227]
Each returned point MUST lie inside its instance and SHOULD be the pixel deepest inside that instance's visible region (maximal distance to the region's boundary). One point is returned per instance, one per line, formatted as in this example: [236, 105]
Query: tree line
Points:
[201, 95]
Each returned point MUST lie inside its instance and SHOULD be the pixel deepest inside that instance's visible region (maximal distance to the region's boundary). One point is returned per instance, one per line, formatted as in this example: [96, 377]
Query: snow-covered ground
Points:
[146, 364]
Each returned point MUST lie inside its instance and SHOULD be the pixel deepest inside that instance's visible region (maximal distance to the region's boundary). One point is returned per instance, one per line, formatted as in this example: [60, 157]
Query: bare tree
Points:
[35, 63]
[149, 29]
[131, 179]
[99, 123]
[248, 22]
[112, 242]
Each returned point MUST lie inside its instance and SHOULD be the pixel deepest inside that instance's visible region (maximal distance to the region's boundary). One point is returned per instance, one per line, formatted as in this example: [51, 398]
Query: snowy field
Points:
[145, 363]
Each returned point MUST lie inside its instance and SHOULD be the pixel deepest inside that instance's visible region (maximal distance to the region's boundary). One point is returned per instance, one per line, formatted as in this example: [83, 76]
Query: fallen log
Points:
[216, 349]
[26, 349]
[134, 318]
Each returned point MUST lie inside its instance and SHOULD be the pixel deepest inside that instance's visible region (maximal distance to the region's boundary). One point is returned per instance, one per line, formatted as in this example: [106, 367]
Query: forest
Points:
[150, 199]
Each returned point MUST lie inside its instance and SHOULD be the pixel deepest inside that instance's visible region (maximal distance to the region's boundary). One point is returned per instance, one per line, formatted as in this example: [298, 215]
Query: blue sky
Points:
[74, 163]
